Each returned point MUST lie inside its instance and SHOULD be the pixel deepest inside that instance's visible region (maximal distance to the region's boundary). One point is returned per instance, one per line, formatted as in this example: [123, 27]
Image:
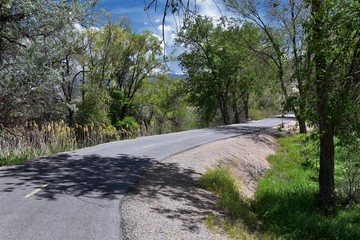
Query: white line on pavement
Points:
[37, 190]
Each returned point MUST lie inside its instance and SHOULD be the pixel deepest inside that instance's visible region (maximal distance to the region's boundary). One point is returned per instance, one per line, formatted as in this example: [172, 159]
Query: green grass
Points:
[286, 201]
[13, 160]
[240, 221]
[287, 198]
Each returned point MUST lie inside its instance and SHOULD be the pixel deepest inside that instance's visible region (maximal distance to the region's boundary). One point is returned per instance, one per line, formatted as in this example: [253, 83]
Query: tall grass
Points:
[286, 200]
[32, 140]
[240, 221]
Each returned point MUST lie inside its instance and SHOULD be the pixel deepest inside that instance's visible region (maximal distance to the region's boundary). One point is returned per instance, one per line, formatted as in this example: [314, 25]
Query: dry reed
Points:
[33, 140]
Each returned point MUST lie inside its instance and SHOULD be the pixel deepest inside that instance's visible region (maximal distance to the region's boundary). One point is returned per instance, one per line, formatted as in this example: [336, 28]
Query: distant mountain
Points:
[176, 75]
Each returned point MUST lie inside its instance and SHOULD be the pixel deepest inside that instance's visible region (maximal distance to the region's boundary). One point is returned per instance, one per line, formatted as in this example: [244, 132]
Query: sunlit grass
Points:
[286, 200]
[240, 221]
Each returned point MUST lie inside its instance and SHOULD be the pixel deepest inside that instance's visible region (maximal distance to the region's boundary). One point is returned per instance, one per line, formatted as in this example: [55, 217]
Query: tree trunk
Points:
[224, 113]
[123, 112]
[326, 176]
[246, 106]
[297, 66]
[302, 126]
[236, 114]
[71, 117]
[224, 108]
[236, 110]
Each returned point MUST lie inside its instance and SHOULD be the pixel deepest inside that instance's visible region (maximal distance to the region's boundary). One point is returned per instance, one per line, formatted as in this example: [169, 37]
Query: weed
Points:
[32, 140]
[221, 181]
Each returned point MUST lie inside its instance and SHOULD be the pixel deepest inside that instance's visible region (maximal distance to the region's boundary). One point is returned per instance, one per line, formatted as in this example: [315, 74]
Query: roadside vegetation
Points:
[312, 48]
[72, 62]
[286, 204]
[74, 76]
[32, 140]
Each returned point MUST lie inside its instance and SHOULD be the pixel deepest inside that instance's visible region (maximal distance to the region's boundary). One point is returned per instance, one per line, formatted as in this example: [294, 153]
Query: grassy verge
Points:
[240, 222]
[285, 205]
[32, 141]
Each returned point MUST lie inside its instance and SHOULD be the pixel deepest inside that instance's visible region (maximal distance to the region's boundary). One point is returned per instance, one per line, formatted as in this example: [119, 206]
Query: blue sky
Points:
[140, 20]
[134, 10]
[152, 20]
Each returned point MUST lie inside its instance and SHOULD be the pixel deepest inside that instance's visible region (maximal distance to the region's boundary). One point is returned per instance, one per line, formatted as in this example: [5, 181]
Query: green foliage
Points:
[34, 41]
[128, 124]
[161, 106]
[55, 67]
[95, 106]
[117, 105]
[221, 68]
[348, 174]
[286, 200]
[123, 61]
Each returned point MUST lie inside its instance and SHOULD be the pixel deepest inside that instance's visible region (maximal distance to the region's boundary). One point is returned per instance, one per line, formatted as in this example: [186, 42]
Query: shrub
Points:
[128, 126]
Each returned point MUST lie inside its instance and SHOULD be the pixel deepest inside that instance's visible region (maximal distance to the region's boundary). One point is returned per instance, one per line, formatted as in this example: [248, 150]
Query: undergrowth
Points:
[286, 200]
[32, 140]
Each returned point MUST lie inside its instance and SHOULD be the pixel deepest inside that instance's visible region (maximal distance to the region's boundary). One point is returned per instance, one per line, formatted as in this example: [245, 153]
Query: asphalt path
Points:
[77, 195]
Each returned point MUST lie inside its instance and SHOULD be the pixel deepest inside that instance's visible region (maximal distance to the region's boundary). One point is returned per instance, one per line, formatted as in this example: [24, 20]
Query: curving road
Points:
[77, 195]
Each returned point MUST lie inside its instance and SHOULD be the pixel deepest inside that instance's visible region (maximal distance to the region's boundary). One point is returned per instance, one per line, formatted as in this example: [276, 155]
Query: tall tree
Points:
[281, 23]
[30, 63]
[121, 61]
[334, 46]
[218, 65]
[161, 107]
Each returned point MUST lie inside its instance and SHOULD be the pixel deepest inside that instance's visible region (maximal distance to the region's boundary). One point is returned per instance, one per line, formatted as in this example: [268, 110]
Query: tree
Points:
[121, 61]
[161, 106]
[141, 57]
[30, 63]
[281, 23]
[219, 67]
[334, 47]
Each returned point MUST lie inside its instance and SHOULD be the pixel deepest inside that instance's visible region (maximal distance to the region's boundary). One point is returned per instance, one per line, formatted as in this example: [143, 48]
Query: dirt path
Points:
[169, 204]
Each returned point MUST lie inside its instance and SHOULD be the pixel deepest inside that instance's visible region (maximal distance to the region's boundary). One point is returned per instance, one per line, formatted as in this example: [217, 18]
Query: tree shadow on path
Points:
[172, 193]
[91, 176]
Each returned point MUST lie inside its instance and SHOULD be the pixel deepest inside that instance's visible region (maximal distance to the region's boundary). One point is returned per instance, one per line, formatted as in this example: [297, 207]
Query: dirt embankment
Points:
[169, 204]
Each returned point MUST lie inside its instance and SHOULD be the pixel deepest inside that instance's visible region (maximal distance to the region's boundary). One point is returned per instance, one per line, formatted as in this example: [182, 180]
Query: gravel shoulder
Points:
[168, 203]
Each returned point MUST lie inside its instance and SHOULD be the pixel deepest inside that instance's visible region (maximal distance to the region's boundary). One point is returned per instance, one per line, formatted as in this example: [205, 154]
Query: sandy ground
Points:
[169, 204]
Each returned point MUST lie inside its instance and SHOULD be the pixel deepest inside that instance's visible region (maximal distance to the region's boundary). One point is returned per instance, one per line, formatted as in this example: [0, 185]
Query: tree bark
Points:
[224, 113]
[326, 175]
[246, 106]
[235, 108]
[71, 117]
[302, 126]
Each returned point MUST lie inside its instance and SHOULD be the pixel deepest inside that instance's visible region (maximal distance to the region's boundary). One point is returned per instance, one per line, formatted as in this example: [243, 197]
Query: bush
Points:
[128, 126]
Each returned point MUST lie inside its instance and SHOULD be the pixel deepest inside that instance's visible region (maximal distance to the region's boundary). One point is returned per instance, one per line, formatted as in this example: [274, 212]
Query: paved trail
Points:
[77, 195]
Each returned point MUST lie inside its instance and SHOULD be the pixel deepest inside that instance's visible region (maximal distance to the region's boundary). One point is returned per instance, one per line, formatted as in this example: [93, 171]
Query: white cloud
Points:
[167, 33]
[212, 8]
